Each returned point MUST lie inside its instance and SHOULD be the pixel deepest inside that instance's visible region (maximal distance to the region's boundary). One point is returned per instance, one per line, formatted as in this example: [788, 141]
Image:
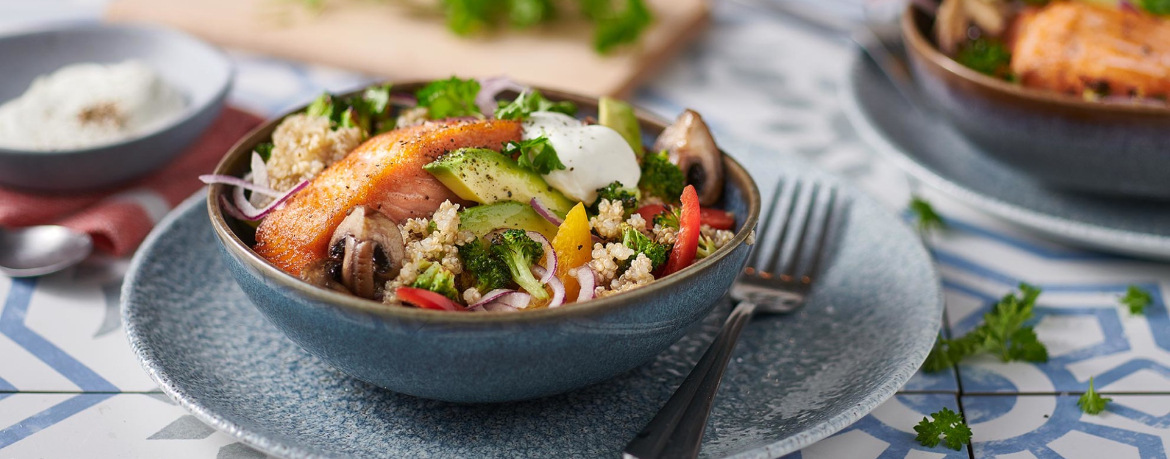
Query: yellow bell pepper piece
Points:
[574, 247]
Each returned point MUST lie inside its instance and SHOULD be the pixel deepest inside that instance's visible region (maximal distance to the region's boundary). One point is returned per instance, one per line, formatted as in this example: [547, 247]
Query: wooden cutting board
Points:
[394, 39]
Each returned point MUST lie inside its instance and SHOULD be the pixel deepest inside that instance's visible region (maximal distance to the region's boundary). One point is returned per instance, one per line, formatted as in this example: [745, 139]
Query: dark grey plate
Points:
[793, 380]
[933, 152]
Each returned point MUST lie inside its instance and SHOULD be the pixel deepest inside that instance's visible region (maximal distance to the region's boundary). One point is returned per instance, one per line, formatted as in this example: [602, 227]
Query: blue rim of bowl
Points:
[350, 303]
[154, 132]
[1130, 242]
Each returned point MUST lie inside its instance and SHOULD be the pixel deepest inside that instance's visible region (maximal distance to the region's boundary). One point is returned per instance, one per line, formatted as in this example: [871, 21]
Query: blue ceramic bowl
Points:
[490, 357]
[1058, 140]
[201, 72]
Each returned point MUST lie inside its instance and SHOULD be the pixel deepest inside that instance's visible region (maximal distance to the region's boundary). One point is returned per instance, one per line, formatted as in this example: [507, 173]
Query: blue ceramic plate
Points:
[794, 379]
[933, 152]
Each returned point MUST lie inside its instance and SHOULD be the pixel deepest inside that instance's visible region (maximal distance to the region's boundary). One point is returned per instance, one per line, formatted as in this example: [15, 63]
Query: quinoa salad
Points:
[450, 199]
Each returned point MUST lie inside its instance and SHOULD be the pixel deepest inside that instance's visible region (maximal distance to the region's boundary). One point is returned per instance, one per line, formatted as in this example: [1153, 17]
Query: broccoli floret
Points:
[640, 243]
[490, 272]
[437, 279]
[706, 247]
[661, 178]
[668, 218]
[615, 192]
[520, 252]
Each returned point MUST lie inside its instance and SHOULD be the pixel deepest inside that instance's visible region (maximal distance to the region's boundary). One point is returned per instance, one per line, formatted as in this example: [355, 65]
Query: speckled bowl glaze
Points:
[487, 357]
[199, 71]
[1059, 140]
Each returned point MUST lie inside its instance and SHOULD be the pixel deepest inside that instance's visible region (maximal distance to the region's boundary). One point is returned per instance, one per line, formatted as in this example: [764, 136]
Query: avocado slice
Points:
[619, 116]
[487, 176]
[485, 218]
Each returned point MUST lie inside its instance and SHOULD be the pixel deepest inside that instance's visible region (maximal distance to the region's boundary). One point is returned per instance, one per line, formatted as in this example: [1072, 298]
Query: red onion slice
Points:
[555, 283]
[243, 208]
[512, 298]
[588, 280]
[550, 255]
[1126, 5]
[545, 212]
[212, 179]
[403, 99]
[489, 88]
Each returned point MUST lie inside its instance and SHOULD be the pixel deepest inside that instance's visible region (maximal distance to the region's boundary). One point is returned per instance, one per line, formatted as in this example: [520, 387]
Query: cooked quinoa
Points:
[607, 260]
[637, 275]
[608, 222]
[303, 146]
[412, 117]
[664, 234]
[430, 240]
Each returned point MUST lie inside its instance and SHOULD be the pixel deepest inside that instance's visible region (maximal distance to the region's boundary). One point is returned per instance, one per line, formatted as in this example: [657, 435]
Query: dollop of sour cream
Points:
[594, 156]
[86, 105]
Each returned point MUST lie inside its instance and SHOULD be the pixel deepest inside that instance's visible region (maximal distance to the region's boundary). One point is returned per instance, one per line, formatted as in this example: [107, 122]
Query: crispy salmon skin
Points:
[384, 173]
[1069, 47]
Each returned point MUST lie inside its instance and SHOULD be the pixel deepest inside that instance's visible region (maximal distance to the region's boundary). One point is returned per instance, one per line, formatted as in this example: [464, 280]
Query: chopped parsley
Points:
[1136, 299]
[370, 111]
[943, 426]
[453, 97]
[987, 56]
[531, 100]
[1091, 402]
[616, 27]
[536, 155]
[925, 216]
[1002, 333]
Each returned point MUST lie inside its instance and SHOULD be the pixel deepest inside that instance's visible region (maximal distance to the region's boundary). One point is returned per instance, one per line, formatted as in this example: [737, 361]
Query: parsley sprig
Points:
[944, 426]
[1091, 402]
[613, 25]
[1155, 7]
[536, 155]
[1002, 333]
[1136, 300]
[530, 101]
[450, 98]
[925, 216]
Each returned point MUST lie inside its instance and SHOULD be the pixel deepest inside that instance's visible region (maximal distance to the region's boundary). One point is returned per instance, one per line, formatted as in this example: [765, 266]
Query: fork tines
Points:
[793, 235]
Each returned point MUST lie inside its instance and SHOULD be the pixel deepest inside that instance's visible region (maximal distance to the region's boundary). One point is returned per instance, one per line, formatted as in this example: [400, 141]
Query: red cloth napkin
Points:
[119, 219]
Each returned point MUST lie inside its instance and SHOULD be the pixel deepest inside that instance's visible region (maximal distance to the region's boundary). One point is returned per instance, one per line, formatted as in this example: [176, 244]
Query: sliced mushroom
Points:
[325, 273]
[693, 150]
[369, 249]
[956, 16]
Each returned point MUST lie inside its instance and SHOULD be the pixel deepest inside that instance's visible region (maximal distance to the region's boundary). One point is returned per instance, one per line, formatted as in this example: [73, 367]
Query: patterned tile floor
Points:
[69, 386]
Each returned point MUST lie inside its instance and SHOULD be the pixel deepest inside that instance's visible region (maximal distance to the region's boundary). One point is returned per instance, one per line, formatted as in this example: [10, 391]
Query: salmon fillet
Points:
[384, 173]
[1071, 46]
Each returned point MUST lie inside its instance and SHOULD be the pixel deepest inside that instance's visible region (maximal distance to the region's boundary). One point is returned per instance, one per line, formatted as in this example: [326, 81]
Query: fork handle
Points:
[679, 424]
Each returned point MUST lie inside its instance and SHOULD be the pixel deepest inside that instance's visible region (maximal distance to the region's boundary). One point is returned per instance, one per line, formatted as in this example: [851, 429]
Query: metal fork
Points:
[779, 275]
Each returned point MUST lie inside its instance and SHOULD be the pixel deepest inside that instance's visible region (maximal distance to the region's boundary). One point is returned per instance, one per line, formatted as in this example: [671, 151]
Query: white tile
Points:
[1081, 445]
[853, 444]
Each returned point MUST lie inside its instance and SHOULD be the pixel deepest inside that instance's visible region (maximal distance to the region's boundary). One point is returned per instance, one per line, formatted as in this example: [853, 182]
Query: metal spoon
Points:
[39, 250]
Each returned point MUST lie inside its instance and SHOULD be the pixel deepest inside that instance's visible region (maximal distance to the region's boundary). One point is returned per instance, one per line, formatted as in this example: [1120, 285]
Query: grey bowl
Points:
[200, 71]
[486, 357]
[1057, 140]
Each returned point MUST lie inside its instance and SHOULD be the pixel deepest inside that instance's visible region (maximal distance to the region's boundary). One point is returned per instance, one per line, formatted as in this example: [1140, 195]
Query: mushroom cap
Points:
[692, 149]
[370, 250]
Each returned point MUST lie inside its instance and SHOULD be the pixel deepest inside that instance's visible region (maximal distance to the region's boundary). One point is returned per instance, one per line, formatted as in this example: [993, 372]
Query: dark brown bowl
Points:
[1059, 140]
